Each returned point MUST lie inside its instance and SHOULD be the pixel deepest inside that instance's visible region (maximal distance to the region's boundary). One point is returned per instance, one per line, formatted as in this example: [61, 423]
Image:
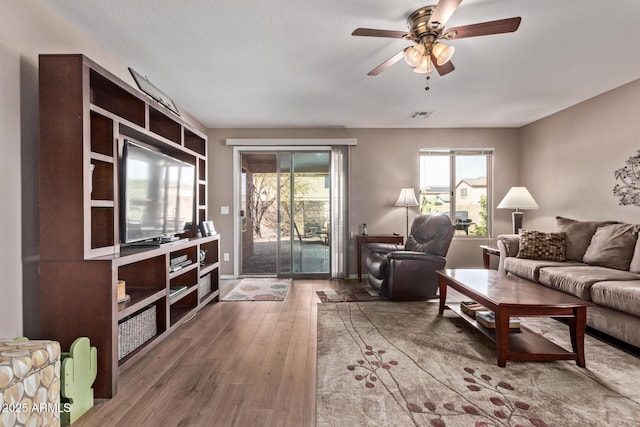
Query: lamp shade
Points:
[425, 66]
[443, 53]
[518, 198]
[407, 198]
[413, 55]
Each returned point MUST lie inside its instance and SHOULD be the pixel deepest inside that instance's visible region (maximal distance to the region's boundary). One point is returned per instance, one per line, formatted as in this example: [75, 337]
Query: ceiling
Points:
[291, 63]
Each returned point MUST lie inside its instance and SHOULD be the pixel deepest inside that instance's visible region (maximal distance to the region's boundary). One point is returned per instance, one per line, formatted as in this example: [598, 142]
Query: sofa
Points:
[598, 261]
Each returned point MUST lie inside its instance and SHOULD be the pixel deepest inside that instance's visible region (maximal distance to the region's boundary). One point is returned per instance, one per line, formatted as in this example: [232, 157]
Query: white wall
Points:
[29, 28]
[384, 161]
[10, 214]
[568, 159]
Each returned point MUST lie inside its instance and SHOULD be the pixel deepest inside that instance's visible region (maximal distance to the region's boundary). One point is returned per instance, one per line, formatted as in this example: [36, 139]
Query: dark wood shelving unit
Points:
[209, 271]
[85, 114]
[164, 126]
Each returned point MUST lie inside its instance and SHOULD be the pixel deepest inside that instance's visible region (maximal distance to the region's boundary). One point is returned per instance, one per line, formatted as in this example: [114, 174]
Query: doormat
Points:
[350, 295]
[259, 289]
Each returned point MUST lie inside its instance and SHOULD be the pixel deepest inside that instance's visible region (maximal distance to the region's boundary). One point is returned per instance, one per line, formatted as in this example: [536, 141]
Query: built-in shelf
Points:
[139, 298]
[84, 119]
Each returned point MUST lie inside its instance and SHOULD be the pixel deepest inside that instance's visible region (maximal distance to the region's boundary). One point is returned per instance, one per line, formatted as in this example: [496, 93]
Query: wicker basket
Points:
[135, 330]
[204, 286]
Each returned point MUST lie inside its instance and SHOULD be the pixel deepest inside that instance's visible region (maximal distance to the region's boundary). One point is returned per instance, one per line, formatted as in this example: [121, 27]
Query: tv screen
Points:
[158, 194]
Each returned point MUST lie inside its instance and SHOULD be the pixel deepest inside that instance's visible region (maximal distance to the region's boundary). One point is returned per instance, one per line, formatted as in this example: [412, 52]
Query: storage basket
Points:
[204, 286]
[135, 330]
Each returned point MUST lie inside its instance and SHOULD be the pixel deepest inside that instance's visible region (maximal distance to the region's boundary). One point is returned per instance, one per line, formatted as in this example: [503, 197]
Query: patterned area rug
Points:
[400, 364]
[350, 295]
[259, 289]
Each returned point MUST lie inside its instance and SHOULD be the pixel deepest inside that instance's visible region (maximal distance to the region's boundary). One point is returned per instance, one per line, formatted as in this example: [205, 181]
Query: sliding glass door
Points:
[285, 208]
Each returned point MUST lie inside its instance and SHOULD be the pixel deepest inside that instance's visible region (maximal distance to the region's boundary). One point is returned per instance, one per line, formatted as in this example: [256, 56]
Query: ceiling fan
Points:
[426, 28]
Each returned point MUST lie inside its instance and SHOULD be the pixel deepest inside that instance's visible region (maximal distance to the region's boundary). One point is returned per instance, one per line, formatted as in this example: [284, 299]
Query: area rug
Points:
[350, 295]
[400, 364]
[259, 289]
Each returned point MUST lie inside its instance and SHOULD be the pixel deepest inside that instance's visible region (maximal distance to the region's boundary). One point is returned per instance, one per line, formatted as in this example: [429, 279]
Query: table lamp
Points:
[407, 199]
[518, 198]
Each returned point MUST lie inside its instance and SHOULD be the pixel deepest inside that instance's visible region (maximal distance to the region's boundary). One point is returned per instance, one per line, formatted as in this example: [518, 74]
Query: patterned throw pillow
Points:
[542, 246]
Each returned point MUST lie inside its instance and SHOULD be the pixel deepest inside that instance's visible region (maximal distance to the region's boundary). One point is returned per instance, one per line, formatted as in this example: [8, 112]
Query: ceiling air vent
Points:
[420, 114]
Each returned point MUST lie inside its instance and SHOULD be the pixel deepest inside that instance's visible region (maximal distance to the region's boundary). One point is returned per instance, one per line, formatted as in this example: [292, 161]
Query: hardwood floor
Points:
[234, 364]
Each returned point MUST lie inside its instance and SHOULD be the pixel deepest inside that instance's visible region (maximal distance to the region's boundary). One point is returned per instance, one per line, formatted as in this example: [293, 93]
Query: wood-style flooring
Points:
[234, 364]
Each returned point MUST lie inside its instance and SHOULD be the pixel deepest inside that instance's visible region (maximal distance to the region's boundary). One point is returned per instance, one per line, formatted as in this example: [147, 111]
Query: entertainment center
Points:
[94, 214]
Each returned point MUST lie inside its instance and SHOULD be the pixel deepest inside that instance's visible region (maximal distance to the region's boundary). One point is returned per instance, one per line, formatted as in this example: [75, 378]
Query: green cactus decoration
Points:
[78, 372]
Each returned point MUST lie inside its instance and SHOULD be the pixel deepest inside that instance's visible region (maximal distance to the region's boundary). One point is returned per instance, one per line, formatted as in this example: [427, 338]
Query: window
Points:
[457, 183]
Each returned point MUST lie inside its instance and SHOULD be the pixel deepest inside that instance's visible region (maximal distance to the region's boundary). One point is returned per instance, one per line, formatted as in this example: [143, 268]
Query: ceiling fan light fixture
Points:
[426, 26]
[425, 66]
[443, 53]
[413, 55]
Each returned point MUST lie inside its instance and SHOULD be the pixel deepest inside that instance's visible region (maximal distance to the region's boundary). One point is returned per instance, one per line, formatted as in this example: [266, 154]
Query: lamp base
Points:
[516, 217]
[407, 213]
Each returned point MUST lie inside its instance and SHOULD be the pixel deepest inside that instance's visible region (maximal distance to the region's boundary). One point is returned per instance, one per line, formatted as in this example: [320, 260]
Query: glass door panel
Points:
[310, 213]
[258, 214]
[285, 213]
[305, 214]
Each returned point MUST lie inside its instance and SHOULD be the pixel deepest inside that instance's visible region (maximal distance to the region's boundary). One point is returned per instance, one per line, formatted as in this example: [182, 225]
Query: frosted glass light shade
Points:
[425, 66]
[443, 53]
[407, 198]
[518, 198]
[413, 55]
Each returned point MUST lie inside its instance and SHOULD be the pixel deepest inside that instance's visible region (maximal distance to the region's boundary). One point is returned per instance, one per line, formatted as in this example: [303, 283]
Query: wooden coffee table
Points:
[510, 296]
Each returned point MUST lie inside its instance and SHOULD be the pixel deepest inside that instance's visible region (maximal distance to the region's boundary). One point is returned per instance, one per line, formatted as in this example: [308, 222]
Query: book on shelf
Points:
[175, 290]
[471, 308]
[488, 320]
[126, 298]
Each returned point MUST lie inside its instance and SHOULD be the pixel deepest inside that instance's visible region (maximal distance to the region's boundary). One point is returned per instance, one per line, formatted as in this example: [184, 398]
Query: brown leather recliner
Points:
[409, 272]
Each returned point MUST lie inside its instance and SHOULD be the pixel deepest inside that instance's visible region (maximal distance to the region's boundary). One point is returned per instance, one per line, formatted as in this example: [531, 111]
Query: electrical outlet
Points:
[225, 256]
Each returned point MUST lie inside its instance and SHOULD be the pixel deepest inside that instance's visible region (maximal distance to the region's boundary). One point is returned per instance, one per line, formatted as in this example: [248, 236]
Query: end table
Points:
[487, 251]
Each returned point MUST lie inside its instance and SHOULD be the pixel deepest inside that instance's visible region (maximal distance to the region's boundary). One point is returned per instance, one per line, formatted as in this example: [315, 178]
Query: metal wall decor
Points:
[629, 175]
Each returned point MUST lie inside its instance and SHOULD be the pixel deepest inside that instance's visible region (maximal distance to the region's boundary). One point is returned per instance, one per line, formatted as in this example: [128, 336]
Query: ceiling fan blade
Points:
[370, 32]
[442, 13]
[500, 26]
[386, 64]
[442, 69]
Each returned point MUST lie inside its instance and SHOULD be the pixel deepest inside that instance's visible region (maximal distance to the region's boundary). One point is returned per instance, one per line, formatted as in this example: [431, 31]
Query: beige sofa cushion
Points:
[612, 246]
[621, 295]
[578, 280]
[530, 268]
[579, 234]
[634, 267]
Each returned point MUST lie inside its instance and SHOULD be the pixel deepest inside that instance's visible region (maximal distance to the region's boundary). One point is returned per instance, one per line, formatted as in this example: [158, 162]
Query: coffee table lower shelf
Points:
[524, 344]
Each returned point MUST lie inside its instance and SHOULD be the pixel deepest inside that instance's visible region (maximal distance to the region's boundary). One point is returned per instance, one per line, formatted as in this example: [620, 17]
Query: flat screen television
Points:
[157, 194]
